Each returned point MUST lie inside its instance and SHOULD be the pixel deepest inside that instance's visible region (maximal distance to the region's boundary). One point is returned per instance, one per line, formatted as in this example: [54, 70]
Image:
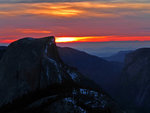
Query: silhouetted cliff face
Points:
[33, 79]
[29, 64]
[136, 78]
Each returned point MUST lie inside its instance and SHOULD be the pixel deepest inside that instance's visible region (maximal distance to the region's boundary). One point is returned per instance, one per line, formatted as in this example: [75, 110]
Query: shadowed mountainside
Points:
[135, 83]
[33, 78]
[103, 72]
[118, 57]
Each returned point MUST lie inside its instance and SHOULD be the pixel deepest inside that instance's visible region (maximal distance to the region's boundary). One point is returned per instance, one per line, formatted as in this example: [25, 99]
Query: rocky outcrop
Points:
[33, 78]
[136, 79]
[27, 65]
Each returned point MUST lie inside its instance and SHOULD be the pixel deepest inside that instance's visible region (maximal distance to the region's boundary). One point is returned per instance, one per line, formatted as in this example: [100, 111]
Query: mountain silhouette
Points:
[34, 79]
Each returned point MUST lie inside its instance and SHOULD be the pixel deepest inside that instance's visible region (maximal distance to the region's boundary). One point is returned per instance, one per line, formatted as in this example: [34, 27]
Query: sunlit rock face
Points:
[27, 65]
[136, 79]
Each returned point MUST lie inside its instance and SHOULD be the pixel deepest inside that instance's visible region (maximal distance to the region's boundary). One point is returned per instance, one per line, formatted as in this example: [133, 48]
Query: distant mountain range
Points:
[118, 57]
[106, 49]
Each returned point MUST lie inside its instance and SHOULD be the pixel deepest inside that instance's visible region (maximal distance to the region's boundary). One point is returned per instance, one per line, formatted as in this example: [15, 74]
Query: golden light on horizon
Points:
[101, 39]
[90, 39]
[65, 39]
[81, 39]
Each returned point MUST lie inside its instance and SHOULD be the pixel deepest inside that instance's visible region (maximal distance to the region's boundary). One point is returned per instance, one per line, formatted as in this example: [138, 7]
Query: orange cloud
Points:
[76, 9]
[29, 31]
[81, 10]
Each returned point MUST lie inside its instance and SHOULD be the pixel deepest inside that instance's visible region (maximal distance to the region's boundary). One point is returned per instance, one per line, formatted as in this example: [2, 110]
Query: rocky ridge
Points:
[136, 80]
[33, 78]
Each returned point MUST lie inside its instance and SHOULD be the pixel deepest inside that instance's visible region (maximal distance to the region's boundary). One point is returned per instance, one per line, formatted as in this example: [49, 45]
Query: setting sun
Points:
[65, 39]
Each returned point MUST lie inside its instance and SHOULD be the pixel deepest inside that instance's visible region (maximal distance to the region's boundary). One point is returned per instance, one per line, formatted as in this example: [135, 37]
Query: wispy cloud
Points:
[41, 1]
[50, 1]
[29, 31]
[76, 9]
[88, 18]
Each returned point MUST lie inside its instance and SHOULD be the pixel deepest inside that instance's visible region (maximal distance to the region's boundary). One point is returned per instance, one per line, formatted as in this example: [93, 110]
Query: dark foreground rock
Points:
[34, 79]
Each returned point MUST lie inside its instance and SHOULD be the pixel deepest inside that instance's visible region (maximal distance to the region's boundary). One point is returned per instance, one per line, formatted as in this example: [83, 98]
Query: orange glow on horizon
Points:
[101, 39]
[7, 41]
[65, 39]
[90, 39]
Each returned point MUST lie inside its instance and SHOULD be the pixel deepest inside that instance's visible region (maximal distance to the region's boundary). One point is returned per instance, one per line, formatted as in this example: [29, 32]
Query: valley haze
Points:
[105, 49]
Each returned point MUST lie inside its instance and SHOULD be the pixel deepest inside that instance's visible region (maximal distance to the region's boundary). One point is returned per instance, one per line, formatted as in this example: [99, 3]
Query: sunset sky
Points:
[75, 20]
